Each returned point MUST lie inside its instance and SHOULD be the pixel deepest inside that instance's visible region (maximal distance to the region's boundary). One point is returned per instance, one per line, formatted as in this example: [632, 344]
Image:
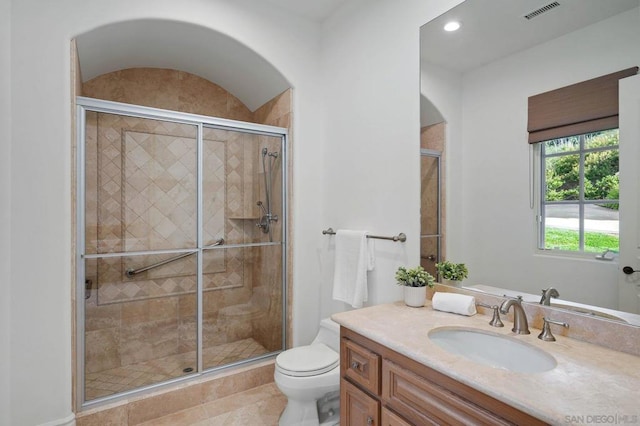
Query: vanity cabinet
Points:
[382, 387]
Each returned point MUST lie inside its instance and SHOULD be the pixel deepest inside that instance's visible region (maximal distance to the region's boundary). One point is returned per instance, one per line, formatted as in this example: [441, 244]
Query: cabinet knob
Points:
[355, 365]
[369, 420]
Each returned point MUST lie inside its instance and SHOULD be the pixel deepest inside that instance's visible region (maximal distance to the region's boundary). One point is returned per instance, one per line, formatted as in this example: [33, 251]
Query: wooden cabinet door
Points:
[357, 408]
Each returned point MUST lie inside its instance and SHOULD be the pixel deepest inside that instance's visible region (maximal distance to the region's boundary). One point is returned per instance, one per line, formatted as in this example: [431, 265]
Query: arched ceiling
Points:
[429, 113]
[185, 47]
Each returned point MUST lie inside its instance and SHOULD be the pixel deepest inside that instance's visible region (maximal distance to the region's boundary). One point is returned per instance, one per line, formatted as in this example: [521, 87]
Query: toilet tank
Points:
[329, 334]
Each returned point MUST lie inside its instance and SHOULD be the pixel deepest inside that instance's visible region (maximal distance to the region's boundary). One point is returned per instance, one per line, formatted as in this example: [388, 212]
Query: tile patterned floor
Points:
[120, 379]
[258, 406]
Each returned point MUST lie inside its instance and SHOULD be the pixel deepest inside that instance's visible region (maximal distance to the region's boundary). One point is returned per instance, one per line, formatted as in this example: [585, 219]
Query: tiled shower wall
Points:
[153, 315]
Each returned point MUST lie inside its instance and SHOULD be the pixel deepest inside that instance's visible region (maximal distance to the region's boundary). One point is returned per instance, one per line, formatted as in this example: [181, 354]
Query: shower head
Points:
[264, 210]
[266, 153]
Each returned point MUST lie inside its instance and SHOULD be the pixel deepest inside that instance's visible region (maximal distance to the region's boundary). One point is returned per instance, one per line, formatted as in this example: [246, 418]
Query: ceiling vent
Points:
[542, 10]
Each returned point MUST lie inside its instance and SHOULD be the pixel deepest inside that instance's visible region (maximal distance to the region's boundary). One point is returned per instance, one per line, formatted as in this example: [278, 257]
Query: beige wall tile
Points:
[102, 349]
[148, 340]
[149, 310]
[167, 89]
[100, 317]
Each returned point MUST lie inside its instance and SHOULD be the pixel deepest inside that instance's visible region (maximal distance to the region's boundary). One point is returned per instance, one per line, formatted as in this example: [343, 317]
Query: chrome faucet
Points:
[520, 324]
[546, 330]
[495, 321]
[547, 295]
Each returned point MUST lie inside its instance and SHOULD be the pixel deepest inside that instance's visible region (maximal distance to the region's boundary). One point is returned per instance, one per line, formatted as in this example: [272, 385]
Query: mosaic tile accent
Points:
[141, 192]
[159, 194]
[120, 379]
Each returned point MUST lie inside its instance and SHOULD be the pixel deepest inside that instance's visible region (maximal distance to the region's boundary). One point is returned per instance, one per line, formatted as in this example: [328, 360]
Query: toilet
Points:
[309, 376]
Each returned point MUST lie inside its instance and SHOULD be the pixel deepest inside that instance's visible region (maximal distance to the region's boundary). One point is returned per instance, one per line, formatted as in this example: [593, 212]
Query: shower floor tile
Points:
[133, 376]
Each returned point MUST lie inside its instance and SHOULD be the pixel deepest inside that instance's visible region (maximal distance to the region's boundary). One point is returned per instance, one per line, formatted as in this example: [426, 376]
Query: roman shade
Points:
[589, 106]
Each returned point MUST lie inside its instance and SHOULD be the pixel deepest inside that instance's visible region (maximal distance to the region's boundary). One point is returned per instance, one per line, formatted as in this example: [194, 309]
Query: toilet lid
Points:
[307, 360]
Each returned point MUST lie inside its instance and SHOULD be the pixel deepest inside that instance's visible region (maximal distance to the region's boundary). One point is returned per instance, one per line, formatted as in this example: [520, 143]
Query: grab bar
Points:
[400, 237]
[133, 272]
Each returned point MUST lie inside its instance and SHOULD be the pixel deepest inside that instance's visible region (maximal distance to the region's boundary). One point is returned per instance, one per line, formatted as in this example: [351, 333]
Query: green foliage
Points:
[452, 271]
[614, 194]
[563, 178]
[562, 174]
[415, 277]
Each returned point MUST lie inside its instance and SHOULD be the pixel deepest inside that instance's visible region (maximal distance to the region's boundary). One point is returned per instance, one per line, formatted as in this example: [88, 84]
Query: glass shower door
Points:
[242, 279]
[140, 252]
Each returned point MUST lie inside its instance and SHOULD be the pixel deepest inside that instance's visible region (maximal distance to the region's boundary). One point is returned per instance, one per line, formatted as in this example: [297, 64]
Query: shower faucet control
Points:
[265, 220]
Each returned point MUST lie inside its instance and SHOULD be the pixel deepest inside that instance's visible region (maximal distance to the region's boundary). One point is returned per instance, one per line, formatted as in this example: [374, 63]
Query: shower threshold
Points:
[121, 379]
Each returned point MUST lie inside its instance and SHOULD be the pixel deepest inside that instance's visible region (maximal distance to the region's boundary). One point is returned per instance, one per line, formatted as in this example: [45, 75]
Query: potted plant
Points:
[452, 273]
[415, 282]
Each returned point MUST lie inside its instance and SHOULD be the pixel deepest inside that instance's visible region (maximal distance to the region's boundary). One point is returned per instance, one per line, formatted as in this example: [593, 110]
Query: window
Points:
[579, 200]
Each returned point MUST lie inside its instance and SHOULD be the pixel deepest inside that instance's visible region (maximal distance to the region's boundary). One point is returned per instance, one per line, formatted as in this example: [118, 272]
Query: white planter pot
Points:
[415, 296]
[452, 283]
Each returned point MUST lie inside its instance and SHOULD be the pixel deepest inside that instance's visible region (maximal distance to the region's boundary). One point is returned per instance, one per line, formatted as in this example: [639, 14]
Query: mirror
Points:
[475, 82]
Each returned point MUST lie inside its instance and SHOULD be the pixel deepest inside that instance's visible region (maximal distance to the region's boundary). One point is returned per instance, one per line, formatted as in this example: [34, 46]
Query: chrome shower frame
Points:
[437, 155]
[84, 105]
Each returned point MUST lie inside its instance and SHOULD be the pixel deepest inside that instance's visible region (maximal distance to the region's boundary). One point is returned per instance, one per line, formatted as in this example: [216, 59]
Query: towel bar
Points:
[400, 237]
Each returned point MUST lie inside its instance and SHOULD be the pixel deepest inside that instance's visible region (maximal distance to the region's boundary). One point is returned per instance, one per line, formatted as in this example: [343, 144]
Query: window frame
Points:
[580, 202]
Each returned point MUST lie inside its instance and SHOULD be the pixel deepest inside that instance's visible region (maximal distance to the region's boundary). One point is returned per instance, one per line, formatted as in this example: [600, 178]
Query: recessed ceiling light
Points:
[452, 26]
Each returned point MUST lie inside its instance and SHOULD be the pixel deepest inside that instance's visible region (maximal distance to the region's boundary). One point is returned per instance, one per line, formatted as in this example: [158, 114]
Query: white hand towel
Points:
[454, 302]
[354, 257]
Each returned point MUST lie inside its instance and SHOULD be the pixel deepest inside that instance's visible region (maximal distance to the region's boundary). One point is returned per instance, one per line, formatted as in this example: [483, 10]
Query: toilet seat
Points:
[305, 361]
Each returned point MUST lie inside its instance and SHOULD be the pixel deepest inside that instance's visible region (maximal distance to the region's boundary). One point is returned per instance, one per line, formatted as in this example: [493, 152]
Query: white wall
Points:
[497, 222]
[5, 195]
[40, 347]
[444, 89]
[370, 57]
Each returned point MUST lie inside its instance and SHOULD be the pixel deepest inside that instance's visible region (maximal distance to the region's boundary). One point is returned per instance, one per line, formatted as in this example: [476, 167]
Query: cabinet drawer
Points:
[360, 365]
[424, 402]
[356, 407]
[389, 418]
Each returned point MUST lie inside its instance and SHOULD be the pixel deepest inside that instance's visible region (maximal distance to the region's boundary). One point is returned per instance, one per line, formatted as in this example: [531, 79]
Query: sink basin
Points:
[493, 349]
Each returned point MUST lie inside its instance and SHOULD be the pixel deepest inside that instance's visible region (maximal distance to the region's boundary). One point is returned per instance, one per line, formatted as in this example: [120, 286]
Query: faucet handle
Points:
[495, 321]
[546, 329]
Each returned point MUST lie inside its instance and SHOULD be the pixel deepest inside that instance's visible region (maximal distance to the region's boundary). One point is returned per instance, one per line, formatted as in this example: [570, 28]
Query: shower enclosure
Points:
[430, 210]
[181, 236]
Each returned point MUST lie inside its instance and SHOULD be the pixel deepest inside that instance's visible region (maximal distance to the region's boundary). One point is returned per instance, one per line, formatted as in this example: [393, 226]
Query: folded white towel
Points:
[354, 257]
[454, 302]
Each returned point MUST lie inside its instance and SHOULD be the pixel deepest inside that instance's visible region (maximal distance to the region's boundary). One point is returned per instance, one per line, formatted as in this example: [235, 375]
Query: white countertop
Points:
[589, 380]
